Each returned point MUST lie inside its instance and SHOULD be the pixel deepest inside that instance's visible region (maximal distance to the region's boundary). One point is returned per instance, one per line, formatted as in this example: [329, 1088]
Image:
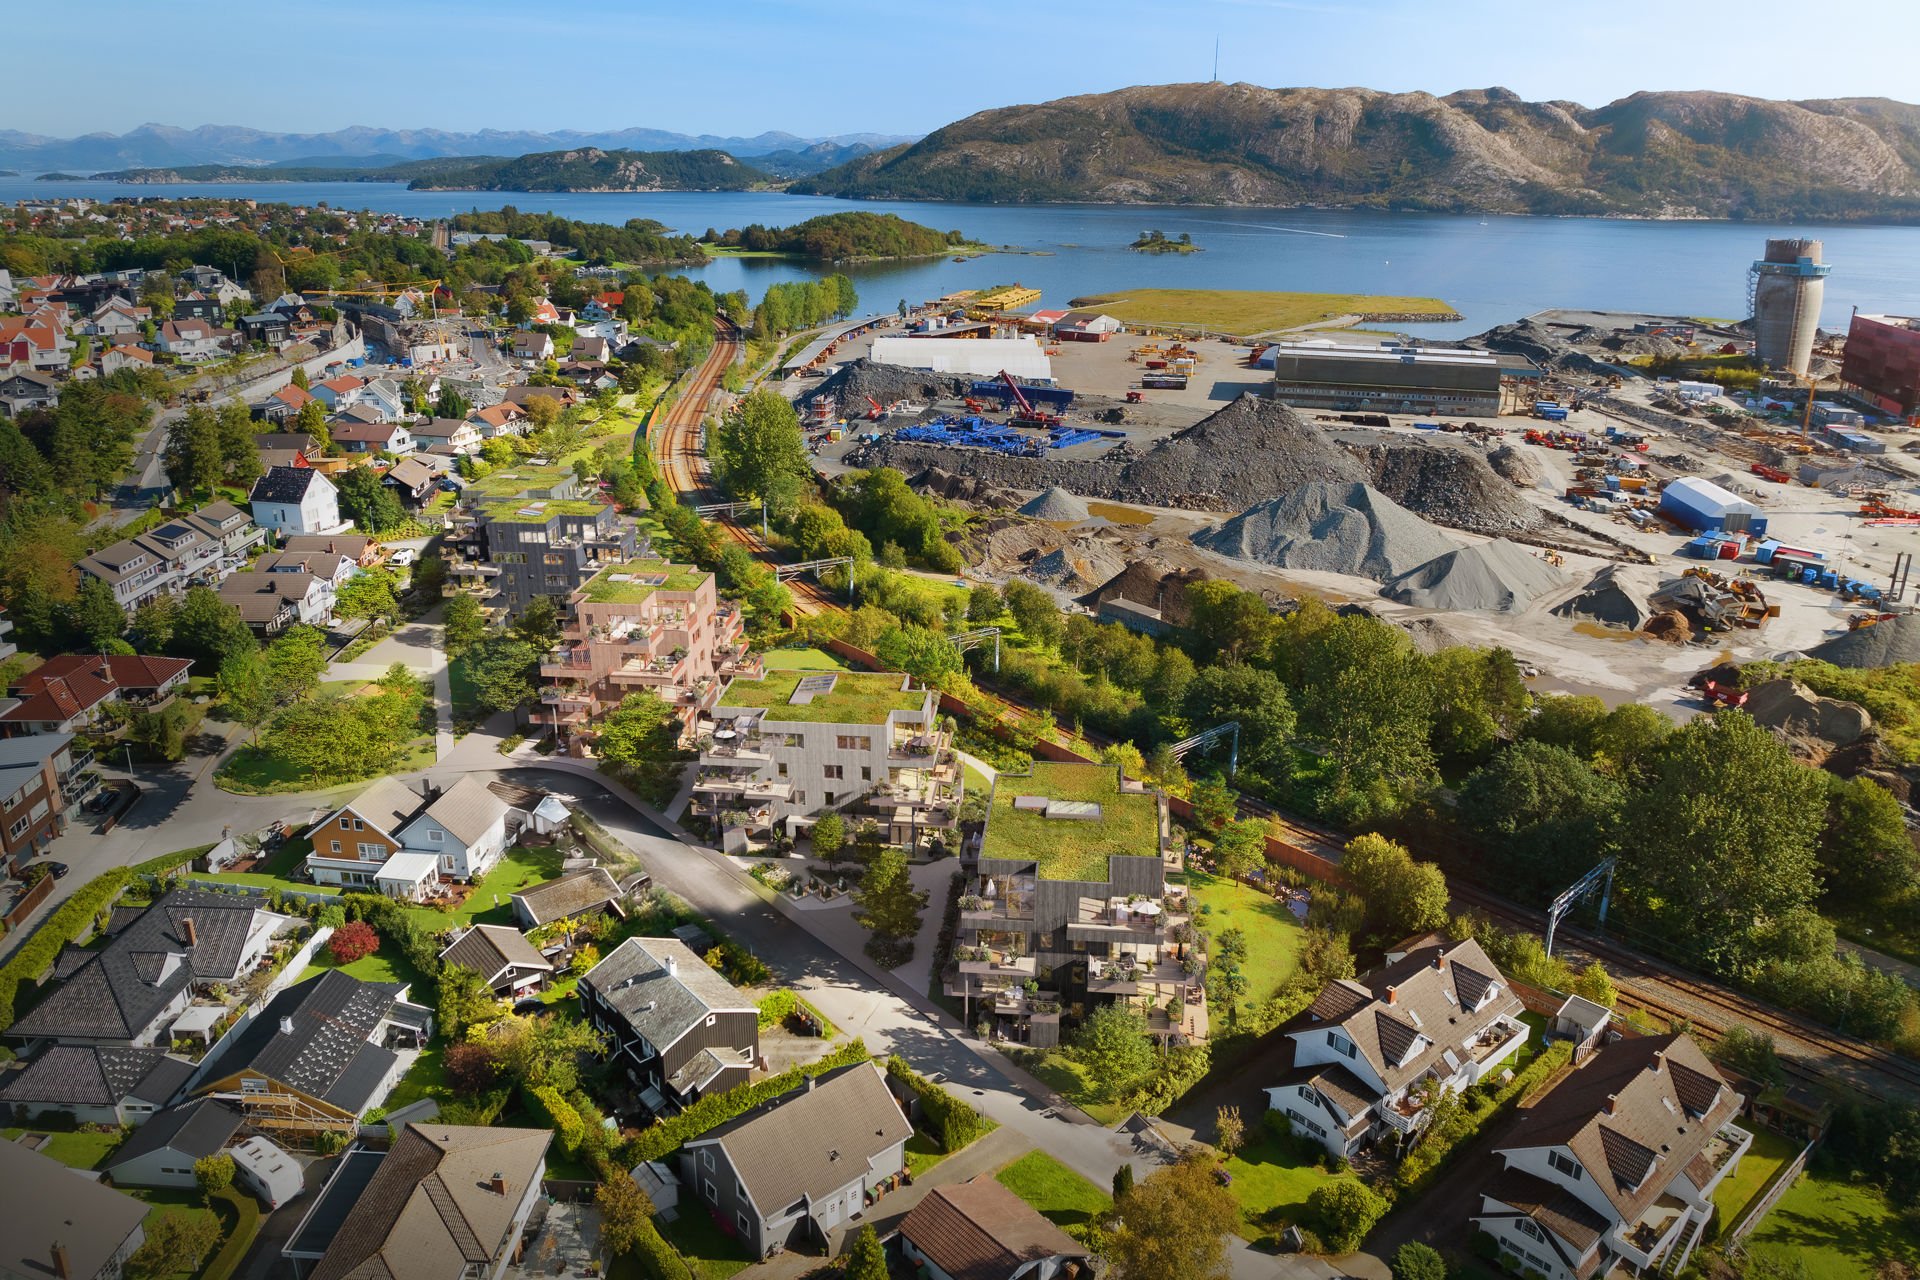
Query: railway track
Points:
[1807, 1050]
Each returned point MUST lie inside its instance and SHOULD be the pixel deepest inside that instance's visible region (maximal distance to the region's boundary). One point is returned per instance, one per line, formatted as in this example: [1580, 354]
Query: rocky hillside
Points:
[1709, 155]
[591, 169]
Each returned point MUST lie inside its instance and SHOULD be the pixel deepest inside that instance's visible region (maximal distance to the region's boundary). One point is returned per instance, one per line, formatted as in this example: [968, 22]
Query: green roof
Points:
[539, 510]
[857, 697]
[602, 589]
[1071, 848]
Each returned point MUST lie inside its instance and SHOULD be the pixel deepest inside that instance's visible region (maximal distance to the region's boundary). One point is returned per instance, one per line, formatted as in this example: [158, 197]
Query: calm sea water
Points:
[1491, 270]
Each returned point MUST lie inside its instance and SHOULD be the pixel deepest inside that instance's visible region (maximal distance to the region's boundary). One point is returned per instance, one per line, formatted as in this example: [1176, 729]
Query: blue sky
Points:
[819, 67]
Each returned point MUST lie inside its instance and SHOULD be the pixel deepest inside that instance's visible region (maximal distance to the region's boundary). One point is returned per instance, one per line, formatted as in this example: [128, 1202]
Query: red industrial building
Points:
[1883, 362]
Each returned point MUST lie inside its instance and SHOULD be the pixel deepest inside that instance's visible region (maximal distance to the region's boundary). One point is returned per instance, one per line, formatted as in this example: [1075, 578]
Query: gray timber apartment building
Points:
[1067, 907]
[528, 533]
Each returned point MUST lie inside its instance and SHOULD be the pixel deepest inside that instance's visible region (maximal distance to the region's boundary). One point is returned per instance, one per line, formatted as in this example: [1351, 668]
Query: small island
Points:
[841, 237]
[1156, 241]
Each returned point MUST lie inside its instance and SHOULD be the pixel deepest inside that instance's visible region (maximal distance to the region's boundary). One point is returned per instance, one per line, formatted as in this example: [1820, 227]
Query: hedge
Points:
[551, 1111]
[954, 1122]
[246, 1225]
[72, 919]
[1424, 1164]
[669, 1135]
[654, 1257]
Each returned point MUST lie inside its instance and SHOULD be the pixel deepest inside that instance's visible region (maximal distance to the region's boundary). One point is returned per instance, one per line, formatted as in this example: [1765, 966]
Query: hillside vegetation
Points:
[591, 169]
[840, 236]
[1652, 154]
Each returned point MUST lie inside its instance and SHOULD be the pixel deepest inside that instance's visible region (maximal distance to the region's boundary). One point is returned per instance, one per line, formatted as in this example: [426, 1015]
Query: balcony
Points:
[749, 667]
[734, 748]
[1117, 920]
[721, 783]
[979, 912]
[1496, 1042]
[994, 962]
[566, 697]
[1406, 1113]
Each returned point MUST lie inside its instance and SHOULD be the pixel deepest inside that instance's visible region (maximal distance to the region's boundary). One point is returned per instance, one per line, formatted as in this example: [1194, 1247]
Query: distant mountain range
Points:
[1674, 155]
[154, 146]
[581, 169]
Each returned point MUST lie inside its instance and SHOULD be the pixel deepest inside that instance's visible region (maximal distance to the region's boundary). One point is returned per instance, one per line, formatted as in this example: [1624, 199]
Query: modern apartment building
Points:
[531, 532]
[781, 750]
[641, 624]
[191, 550]
[1067, 908]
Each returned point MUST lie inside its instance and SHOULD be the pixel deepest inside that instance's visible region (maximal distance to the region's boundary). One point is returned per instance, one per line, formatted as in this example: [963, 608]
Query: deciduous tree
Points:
[1403, 897]
[1112, 1045]
[462, 624]
[175, 1243]
[1174, 1224]
[626, 1212]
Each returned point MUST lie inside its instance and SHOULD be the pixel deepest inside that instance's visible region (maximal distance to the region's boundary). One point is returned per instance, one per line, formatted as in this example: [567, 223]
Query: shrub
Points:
[1346, 1212]
[954, 1122]
[353, 941]
[552, 1111]
[245, 1211]
[668, 1135]
[213, 1173]
[1416, 1261]
[471, 1068]
[776, 1007]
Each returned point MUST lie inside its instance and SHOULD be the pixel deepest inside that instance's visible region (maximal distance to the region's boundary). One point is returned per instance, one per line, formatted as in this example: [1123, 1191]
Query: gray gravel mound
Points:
[1496, 577]
[1056, 504]
[1449, 486]
[853, 382]
[1616, 596]
[1332, 527]
[1249, 451]
[1884, 644]
[1512, 465]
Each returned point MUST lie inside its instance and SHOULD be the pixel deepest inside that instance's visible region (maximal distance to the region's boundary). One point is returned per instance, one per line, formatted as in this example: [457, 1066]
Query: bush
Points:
[471, 1068]
[1416, 1261]
[551, 1111]
[352, 941]
[954, 1122]
[245, 1211]
[213, 1173]
[1346, 1212]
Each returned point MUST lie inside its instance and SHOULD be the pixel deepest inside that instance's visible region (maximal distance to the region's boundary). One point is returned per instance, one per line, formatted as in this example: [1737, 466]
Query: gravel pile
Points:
[1158, 584]
[1056, 503]
[1430, 635]
[1078, 566]
[1513, 466]
[1332, 527]
[1449, 486]
[1492, 577]
[1547, 347]
[946, 484]
[853, 382]
[1884, 644]
[1253, 449]
[1616, 596]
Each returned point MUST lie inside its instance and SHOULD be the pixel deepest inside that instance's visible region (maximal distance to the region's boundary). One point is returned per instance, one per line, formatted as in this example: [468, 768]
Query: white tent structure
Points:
[1023, 357]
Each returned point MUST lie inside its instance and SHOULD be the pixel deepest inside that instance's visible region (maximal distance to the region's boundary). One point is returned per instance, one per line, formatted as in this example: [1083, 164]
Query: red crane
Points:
[877, 412]
[1028, 415]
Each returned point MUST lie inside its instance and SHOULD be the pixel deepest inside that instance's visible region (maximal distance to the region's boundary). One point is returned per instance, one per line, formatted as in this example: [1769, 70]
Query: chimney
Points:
[1393, 995]
[1612, 1101]
[188, 932]
[497, 1183]
[286, 1026]
[1658, 1060]
[673, 966]
[1440, 961]
[62, 1264]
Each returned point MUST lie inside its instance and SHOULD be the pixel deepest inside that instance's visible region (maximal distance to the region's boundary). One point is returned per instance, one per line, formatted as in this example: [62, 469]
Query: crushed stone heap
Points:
[1494, 577]
[1884, 644]
[1331, 527]
[1056, 503]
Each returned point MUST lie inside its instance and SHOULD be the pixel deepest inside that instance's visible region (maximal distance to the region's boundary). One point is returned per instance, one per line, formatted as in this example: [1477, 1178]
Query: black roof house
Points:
[283, 484]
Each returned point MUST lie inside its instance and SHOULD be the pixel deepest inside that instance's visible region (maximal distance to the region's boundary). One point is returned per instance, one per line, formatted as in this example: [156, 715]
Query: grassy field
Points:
[1767, 1154]
[801, 660]
[75, 1150]
[1062, 1196]
[1248, 311]
[1273, 935]
[1271, 1183]
[1067, 1077]
[384, 965]
[1129, 823]
[710, 1254]
[857, 698]
[1836, 1229]
[463, 694]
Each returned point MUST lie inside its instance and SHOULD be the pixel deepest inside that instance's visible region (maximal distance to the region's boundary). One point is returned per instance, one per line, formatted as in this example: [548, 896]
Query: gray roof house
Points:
[161, 1152]
[317, 1057]
[795, 1169]
[130, 990]
[679, 1029]
[55, 1221]
[575, 894]
[509, 964]
[96, 1084]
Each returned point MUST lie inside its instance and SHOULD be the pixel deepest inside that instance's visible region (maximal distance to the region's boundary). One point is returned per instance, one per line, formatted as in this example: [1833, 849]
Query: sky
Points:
[825, 67]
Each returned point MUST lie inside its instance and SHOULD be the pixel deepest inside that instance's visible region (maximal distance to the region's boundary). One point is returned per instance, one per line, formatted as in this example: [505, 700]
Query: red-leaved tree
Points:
[351, 941]
[471, 1068]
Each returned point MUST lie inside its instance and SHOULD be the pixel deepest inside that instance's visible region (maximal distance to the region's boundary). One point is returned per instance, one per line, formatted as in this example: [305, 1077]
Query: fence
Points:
[1770, 1194]
[24, 907]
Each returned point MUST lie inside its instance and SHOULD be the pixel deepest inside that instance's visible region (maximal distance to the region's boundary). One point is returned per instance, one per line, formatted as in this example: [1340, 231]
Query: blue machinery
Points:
[1601, 878]
[1207, 737]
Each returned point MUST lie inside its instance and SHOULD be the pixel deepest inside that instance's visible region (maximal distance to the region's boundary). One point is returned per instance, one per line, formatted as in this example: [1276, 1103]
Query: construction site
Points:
[1618, 499]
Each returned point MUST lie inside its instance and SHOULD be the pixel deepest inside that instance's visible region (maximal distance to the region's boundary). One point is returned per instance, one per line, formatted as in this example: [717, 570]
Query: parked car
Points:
[404, 556]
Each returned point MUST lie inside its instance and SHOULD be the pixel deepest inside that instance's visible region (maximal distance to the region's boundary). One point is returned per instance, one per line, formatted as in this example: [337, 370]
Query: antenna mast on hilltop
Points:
[1216, 59]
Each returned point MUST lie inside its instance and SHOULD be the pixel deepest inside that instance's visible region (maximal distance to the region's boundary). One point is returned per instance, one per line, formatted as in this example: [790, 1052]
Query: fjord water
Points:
[1492, 270]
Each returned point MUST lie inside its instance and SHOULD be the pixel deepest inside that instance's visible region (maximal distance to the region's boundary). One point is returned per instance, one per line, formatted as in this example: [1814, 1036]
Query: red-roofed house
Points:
[193, 340]
[286, 403]
[338, 393]
[114, 359]
[68, 692]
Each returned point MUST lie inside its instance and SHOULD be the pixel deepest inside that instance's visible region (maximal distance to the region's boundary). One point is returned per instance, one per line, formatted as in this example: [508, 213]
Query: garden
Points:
[1835, 1228]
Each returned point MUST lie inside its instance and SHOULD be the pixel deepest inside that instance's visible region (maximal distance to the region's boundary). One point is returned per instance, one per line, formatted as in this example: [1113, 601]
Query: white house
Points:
[1613, 1172]
[161, 1152]
[192, 340]
[532, 344]
[289, 500]
[1370, 1058]
[457, 435]
[465, 828]
[313, 597]
[385, 395]
[114, 359]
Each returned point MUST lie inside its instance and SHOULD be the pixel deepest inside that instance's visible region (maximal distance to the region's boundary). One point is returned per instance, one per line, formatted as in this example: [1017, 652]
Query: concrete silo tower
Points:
[1785, 289]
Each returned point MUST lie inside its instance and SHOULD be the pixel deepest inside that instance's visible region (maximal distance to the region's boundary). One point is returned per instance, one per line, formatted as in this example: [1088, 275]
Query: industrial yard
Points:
[1541, 487]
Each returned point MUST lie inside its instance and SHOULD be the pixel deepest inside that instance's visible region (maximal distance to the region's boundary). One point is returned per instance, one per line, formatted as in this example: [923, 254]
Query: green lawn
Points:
[75, 1150]
[978, 783]
[250, 772]
[801, 660]
[1767, 1154]
[465, 695]
[174, 1202]
[1062, 1196]
[1272, 1183]
[518, 868]
[384, 965]
[1069, 1079]
[1128, 825]
[426, 1078]
[1836, 1229]
[709, 1253]
[1248, 311]
[1273, 935]
[857, 698]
